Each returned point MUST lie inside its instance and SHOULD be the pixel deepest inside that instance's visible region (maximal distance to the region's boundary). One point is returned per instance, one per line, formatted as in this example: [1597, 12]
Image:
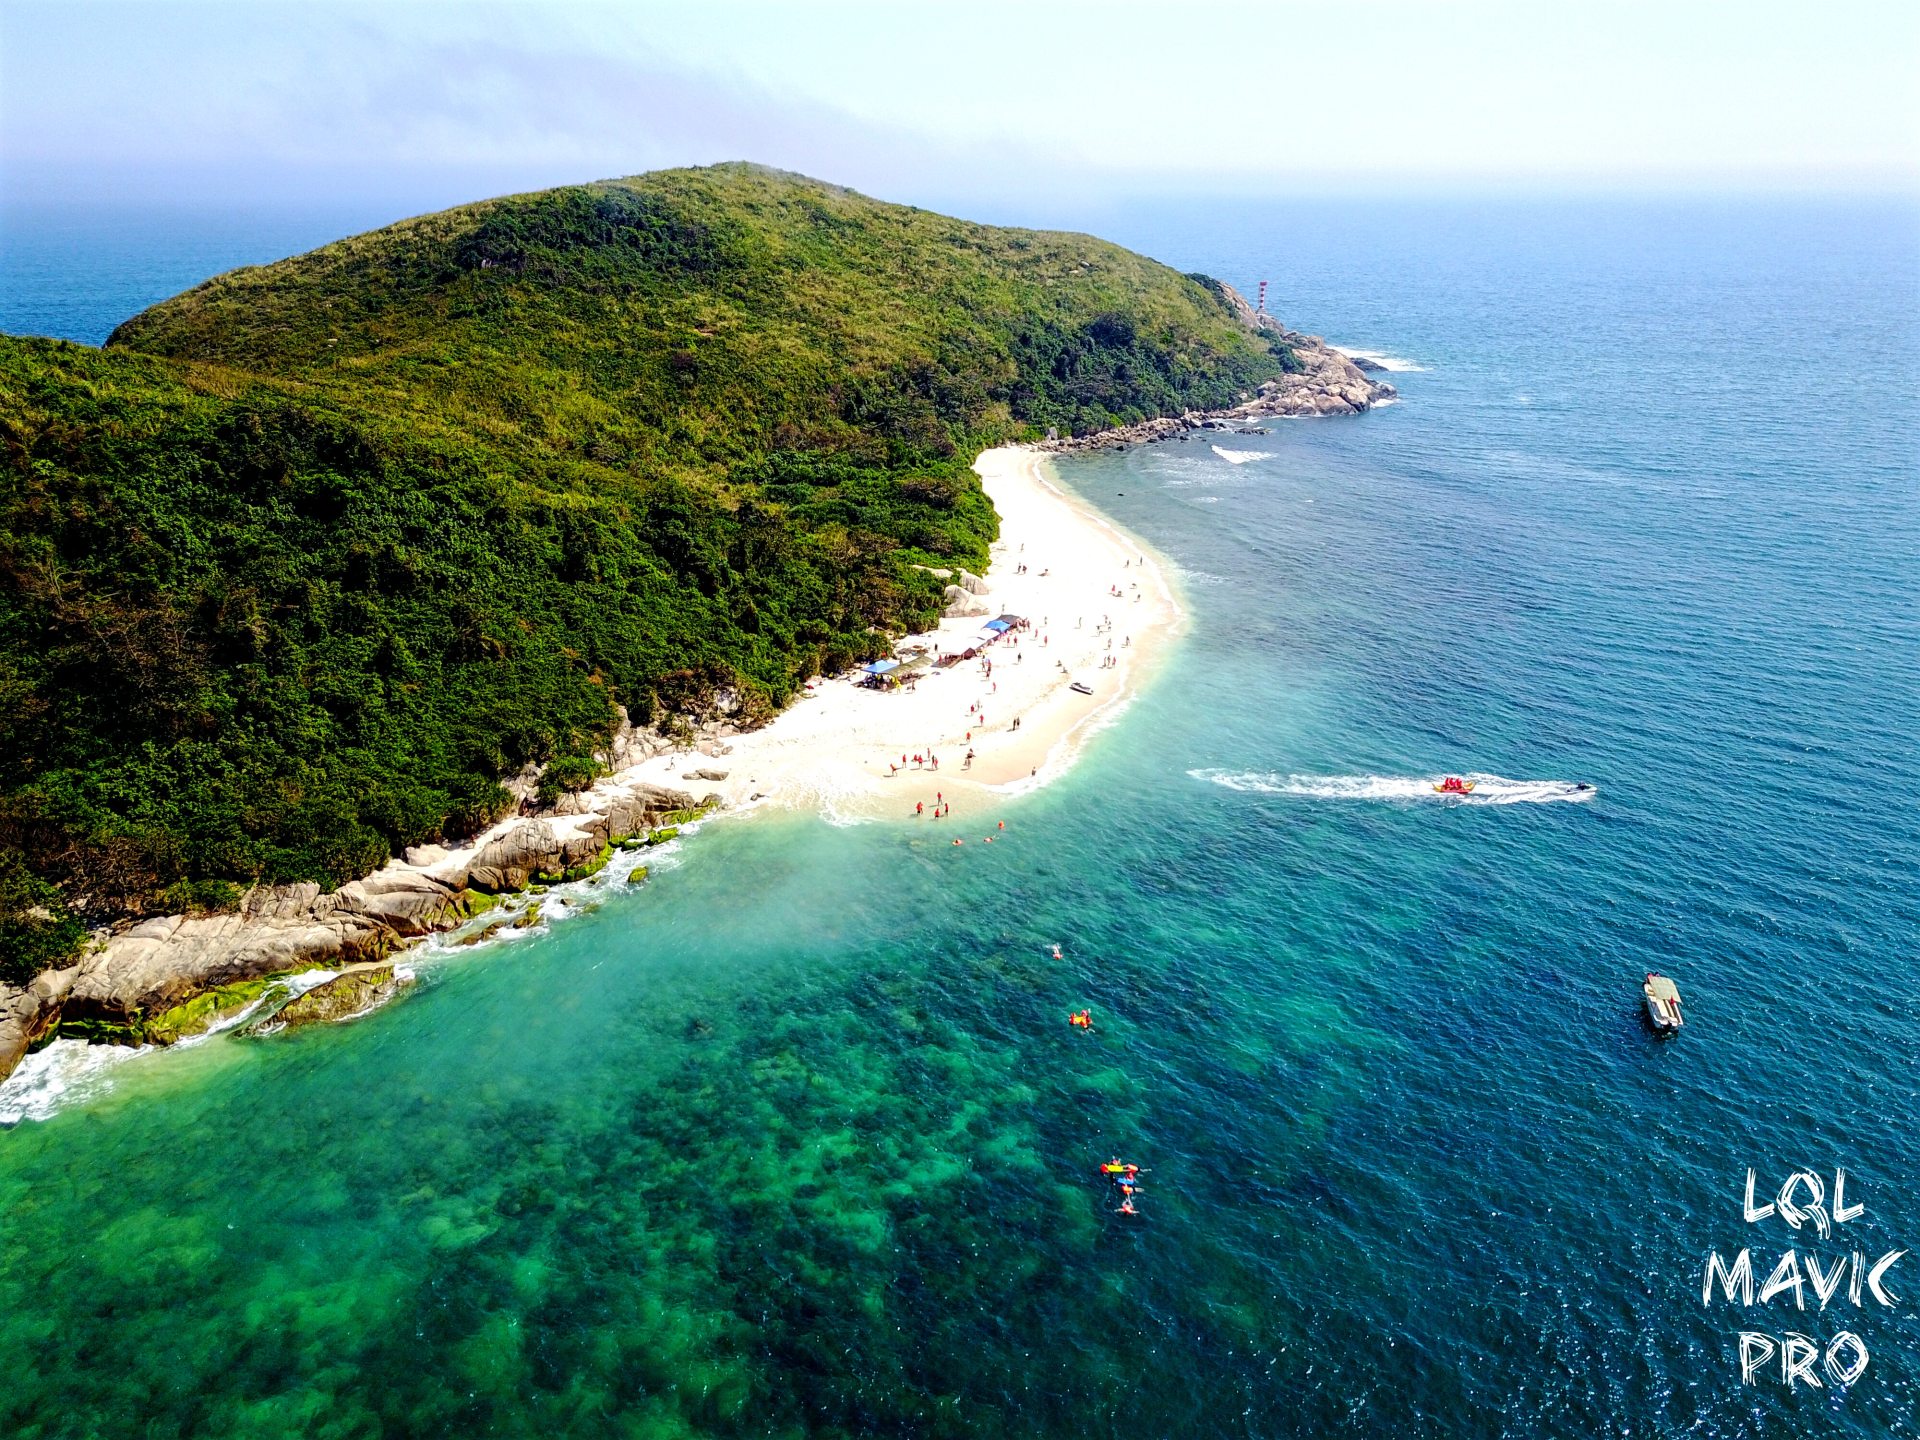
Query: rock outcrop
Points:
[1331, 384]
[961, 602]
[29, 1013]
[131, 987]
[1328, 383]
[348, 995]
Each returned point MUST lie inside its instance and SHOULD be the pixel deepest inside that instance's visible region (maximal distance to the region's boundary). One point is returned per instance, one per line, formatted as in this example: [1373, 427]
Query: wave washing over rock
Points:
[71, 1072]
[1379, 360]
[1487, 789]
[178, 976]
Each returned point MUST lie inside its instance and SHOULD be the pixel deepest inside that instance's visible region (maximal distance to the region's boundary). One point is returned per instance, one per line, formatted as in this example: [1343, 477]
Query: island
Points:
[341, 596]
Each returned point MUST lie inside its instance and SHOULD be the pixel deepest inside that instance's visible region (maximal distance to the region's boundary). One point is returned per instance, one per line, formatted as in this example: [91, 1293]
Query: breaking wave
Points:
[71, 1072]
[1241, 457]
[1487, 789]
[1392, 363]
[65, 1073]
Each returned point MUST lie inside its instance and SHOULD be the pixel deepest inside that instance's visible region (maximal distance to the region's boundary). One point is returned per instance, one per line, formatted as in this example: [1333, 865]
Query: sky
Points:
[421, 103]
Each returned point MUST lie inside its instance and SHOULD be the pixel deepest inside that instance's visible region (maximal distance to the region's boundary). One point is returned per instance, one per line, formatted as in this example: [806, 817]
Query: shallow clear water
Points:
[797, 1140]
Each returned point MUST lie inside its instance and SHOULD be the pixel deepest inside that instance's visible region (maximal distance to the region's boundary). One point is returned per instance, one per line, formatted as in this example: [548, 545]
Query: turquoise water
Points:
[797, 1141]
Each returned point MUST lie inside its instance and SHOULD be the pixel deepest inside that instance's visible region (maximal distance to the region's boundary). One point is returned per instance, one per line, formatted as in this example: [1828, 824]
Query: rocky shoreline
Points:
[1329, 384]
[160, 980]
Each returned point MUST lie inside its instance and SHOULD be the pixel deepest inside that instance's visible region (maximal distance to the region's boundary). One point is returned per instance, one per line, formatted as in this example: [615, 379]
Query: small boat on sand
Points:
[1663, 1003]
[1454, 785]
[1082, 689]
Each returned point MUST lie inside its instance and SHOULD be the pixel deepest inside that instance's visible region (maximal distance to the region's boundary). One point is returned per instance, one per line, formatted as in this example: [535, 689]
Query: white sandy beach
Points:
[834, 749]
[1101, 610]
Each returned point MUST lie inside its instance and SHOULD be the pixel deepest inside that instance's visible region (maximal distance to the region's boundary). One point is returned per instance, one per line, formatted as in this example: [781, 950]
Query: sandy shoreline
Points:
[1057, 563]
[1101, 610]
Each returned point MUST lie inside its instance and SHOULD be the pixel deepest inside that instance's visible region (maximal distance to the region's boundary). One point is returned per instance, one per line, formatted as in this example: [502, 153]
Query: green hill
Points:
[310, 556]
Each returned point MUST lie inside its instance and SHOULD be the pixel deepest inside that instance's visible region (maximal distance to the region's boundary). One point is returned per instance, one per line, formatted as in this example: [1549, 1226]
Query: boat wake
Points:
[1240, 457]
[1487, 789]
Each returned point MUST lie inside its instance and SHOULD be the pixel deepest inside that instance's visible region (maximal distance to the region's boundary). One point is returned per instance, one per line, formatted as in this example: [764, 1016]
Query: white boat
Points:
[1663, 1003]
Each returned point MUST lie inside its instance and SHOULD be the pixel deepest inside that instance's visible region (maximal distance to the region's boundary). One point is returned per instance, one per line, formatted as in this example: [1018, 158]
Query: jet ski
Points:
[1081, 689]
[1454, 785]
[1663, 1003]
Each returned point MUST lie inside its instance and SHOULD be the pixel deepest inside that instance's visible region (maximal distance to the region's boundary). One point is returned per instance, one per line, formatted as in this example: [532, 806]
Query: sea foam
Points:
[1241, 457]
[1393, 363]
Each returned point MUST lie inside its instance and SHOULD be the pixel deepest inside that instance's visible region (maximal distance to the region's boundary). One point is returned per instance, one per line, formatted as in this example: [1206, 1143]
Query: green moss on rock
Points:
[200, 1014]
[590, 867]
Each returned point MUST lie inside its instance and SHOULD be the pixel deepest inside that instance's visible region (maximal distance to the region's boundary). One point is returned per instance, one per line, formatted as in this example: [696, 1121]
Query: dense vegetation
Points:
[311, 556]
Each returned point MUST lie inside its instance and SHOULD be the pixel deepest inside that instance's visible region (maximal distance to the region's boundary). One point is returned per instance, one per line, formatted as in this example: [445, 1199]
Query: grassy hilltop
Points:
[310, 556]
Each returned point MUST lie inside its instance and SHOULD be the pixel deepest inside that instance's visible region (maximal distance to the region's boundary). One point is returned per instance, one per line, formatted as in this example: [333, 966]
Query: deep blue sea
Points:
[795, 1139]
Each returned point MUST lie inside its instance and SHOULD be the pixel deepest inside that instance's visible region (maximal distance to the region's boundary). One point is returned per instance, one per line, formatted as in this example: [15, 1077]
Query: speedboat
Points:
[1454, 785]
[1663, 1003]
[1079, 688]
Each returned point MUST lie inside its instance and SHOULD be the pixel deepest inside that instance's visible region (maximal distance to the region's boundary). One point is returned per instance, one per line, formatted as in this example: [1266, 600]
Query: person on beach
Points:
[919, 808]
